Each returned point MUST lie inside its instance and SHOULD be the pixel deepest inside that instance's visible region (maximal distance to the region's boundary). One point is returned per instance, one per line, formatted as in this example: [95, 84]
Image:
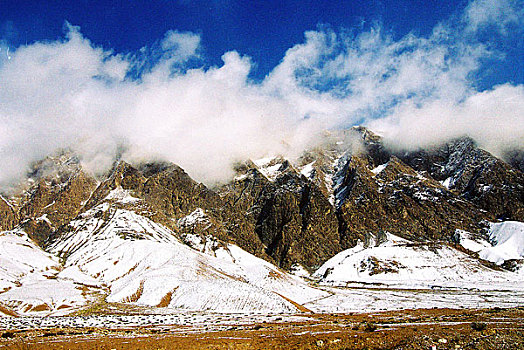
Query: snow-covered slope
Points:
[143, 262]
[506, 242]
[31, 280]
[401, 263]
[125, 257]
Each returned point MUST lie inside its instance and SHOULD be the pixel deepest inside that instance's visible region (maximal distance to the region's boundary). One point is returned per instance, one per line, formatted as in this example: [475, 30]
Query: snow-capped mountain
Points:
[346, 211]
[123, 257]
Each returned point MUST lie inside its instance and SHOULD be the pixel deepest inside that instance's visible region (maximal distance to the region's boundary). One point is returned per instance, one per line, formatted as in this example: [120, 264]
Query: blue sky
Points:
[264, 30]
[205, 84]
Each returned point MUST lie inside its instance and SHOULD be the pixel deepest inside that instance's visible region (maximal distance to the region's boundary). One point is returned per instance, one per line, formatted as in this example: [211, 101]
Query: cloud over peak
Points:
[165, 102]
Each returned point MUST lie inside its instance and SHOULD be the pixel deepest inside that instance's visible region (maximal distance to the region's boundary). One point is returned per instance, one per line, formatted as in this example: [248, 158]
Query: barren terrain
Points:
[408, 329]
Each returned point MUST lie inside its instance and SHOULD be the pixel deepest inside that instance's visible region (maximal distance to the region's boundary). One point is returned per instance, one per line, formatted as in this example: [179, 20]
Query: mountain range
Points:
[348, 211]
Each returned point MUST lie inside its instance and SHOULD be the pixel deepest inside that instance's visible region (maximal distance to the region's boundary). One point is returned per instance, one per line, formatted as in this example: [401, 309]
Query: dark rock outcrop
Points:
[291, 216]
[401, 201]
[59, 192]
[8, 217]
[476, 176]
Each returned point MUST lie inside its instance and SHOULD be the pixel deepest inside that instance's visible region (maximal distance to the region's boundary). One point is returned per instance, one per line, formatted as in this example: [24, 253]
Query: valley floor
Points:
[494, 328]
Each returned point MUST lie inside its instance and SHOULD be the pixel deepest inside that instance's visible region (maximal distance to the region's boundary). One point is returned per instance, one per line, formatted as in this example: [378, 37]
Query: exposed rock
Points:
[39, 230]
[476, 176]
[400, 201]
[291, 215]
[164, 193]
[60, 189]
[8, 217]
[122, 175]
[172, 191]
[515, 158]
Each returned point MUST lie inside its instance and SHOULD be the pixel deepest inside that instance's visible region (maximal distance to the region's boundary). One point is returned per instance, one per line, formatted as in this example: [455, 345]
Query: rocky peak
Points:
[290, 212]
[126, 176]
[395, 198]
[367, 135]
[372, 147]
[475, 175]
[53, 193]
[292, 218]
[56, 167]
[318, 165]
[149, 169]
[121, 176]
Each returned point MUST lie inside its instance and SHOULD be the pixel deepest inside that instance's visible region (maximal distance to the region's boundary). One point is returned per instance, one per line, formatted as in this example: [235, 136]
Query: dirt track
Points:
[409, 329]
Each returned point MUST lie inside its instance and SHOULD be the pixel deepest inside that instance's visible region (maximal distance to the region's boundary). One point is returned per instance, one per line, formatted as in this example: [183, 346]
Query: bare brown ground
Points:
[136, 295]
[409, 329]
[166, 299]
[7, 311]
[299, 307]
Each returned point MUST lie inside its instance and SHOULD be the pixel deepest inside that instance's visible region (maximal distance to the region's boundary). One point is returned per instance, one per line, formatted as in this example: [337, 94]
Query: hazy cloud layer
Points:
[161, 103]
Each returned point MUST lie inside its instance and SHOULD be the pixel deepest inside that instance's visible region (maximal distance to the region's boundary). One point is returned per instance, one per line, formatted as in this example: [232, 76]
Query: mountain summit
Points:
[116, 238]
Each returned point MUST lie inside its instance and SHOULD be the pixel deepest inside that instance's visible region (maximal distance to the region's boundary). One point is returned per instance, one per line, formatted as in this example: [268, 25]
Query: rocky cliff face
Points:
[58, 189]
[300, 211]
[476, 176]
[7, 215]
[291, 215]
[399, 200]
[377, 191]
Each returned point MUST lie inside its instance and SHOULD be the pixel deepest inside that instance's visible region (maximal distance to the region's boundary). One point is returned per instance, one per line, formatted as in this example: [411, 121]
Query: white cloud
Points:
[71, 94]
[417, 90]
[498, 13]
[493, 118]
[346, 79]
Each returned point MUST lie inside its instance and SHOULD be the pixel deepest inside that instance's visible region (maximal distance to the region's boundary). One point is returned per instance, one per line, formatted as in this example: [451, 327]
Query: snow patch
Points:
[508, 242]
[30, 282]
[263, 162]
[241, 177]
[198, 216]
[299, 271]
[142, 262]
[307, 170]
[269, 167]
[44, 218]
[470, 243]
[379, 169]
[447, 183]
[120, 195]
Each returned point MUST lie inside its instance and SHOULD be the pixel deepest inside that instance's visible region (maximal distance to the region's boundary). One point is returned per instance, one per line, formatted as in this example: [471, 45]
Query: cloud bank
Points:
[164, 102]
[494, 118]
